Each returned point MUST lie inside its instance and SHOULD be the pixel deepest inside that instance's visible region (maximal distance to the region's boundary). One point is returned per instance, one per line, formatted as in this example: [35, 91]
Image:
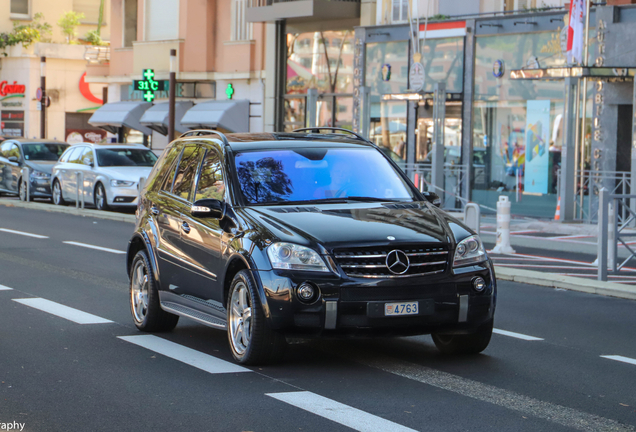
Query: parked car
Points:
[109, 174]
[270, 236]
[37, 155]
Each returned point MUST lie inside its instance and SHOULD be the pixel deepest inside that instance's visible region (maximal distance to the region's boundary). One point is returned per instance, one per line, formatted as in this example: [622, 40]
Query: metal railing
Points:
[262, 3]
[612, 230]
[454, 178]
[97, 54]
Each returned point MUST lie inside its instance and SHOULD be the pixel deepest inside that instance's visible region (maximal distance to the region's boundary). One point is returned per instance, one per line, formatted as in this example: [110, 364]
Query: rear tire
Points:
[251, 339]
[144, 298]
[56, 194]
[473, 343]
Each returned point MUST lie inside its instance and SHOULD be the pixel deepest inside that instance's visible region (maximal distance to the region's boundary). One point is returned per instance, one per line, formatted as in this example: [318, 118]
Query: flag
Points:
[576, 30]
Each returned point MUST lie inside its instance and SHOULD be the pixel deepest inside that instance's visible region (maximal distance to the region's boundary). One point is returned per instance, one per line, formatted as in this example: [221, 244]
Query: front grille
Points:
[370, 262]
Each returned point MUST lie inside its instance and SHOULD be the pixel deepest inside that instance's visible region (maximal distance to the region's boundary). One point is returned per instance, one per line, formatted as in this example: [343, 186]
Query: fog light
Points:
[479, 284]
[306, 292]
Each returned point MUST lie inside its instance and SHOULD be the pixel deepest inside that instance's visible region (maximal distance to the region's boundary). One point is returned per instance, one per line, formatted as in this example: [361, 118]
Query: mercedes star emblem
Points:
[397, 262]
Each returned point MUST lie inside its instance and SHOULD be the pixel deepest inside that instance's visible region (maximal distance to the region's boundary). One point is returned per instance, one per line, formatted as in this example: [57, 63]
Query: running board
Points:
[193, 314]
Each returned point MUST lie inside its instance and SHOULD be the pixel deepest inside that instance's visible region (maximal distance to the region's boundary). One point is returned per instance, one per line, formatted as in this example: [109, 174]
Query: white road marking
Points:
[620, 359]
[115, 251]
[184, 354]
[22, 233]
[77, 316]
[5, 288]
[339, 413]
[516, 335]
[565, 416]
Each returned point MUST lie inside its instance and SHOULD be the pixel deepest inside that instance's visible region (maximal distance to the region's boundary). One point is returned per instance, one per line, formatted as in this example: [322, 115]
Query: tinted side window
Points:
[74, 155]
[172, 170]
[66, 154]
[88, 157]
[187, 169]
[211, 181]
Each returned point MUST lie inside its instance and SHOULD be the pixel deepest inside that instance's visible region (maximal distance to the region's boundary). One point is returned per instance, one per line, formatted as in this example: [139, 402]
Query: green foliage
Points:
[93, 38]
[69, 22]
[45, 29]
[27, 34]
[439, 17]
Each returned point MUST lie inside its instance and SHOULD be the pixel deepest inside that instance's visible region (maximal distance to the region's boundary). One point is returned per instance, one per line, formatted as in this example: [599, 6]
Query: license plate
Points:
[399, 309]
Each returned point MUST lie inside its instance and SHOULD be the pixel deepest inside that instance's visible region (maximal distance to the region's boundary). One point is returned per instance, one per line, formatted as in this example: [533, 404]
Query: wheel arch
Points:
[140, 241]
[237, 263]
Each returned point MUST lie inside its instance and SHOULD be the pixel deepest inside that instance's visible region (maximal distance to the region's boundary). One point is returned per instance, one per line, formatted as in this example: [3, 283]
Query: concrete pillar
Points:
[269, 102]
[439, 120]
[358, 81]
[467, 109]
[311, 116]
[411, 121]
[566, 191]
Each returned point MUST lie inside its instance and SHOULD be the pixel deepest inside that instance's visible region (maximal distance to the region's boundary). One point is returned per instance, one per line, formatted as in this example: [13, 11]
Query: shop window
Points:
[20, 9]
[162, 20]
[90, 9]
[130, 22]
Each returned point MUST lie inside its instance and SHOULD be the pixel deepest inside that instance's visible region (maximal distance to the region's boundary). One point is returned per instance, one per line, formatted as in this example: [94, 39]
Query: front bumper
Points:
[355, 307]
[122, 196]
[40, 188]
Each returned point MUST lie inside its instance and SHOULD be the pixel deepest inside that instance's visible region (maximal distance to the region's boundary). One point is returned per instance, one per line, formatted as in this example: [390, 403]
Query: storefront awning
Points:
[113, 116]
[156, 118]
[230, 116]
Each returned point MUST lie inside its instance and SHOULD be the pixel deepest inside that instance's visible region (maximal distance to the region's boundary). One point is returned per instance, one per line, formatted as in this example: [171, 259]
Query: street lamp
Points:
[172, 94]
[43, 98]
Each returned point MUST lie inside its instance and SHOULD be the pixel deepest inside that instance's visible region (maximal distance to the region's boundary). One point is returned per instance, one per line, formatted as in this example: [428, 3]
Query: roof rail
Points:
[201, 132]
[333, 129]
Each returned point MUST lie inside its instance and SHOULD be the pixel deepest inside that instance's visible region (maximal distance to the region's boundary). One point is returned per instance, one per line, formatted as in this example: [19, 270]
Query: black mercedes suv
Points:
[273, 236]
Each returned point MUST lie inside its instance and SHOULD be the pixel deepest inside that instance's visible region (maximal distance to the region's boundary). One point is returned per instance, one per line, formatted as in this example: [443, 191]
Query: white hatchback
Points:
[107, 174]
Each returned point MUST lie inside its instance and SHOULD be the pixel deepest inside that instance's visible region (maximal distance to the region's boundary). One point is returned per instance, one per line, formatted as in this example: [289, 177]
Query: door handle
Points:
[154, 210]
[185, 227]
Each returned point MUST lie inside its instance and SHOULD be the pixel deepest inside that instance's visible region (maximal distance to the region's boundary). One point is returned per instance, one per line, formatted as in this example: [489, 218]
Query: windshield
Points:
[317, 174]
[125, 157]
[43, 151]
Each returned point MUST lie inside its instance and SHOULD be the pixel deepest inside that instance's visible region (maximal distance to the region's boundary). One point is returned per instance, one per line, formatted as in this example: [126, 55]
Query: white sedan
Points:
[108, 174]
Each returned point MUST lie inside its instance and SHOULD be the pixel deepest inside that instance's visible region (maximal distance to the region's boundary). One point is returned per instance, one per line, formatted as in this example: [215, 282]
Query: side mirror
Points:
[208, 208]
[433, 198]
[13, 159]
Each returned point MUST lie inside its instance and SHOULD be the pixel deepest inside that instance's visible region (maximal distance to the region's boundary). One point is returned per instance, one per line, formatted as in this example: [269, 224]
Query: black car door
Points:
[202, 242]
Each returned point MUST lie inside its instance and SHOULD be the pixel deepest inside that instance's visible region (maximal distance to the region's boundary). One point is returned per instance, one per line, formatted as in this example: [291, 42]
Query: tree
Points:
[69, 22]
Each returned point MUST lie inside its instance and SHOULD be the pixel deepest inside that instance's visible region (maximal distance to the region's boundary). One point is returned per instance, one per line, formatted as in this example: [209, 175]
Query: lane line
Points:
[527, 406]
[115, 251]
[620, 359]
[22, 233]
[516, 335]
[69, 313]
[337, 412]
[5, 288]
[184, 354]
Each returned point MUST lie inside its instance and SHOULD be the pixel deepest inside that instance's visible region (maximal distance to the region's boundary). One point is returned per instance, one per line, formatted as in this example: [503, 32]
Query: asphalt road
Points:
[543, 370]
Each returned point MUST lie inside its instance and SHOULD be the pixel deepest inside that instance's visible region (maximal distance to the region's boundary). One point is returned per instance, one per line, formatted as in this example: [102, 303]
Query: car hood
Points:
[43, 166]
[355, 224]
[127, 173]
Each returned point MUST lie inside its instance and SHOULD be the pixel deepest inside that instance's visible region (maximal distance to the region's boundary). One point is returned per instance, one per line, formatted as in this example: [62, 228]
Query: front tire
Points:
[101, 202]
[57, 197]
[144, 298]
[251, 339]
[21, 191]
[473, 343]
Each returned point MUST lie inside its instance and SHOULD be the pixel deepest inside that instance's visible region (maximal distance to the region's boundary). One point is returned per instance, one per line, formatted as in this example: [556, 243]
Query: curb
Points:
[119, 217]
[609, 289]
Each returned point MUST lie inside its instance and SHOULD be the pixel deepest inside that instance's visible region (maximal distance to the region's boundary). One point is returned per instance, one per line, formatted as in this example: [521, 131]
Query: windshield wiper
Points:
[347, 199]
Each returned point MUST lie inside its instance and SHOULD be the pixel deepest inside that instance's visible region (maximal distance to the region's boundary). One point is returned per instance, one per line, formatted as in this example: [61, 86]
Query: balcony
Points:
[301, 10]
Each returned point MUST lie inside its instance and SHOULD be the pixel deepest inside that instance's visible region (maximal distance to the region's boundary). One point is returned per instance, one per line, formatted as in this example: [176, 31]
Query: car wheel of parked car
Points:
[21, 191]
[58, 199]
[144, 298]
[101, 203]
[251, 339]
[473, 343]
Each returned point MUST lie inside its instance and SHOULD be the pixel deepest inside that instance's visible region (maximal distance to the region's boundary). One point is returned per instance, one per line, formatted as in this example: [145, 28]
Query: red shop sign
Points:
[15, 88]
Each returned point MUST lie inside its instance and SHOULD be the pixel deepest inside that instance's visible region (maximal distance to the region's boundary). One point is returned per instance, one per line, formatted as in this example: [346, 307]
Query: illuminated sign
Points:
[149, 85]
[229, 91]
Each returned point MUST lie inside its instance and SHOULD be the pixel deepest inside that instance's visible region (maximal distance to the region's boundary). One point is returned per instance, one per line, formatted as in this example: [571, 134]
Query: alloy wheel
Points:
[57, 193]
[240, 318]
[21, 192]
[100, 197]
[139, 291]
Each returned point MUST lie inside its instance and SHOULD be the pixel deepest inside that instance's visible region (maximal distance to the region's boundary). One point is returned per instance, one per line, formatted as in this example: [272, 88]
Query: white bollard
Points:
[472, 217]
[503, 226]
[611, 235]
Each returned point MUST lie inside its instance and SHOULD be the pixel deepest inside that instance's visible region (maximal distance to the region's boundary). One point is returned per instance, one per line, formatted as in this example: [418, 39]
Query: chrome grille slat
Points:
[427, 264]
[363, 266]
[428, 253]
[362, 256]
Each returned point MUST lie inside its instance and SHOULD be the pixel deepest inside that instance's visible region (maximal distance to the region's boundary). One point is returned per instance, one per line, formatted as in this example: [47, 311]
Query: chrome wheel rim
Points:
[100, 197]
[139, 291]
[57, 193]
[240, 318]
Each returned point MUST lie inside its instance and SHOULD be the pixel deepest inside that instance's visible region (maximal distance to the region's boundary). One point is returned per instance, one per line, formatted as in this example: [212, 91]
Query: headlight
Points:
[121, 183]
[288, 256]
[469, 251]
[40, 175]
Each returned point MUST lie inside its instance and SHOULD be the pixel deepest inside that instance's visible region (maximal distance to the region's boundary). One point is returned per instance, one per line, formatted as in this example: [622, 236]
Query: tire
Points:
[101, 201]
[473, 343]
[56, 194]
[255, 343]
[144, 298]
[21, 191]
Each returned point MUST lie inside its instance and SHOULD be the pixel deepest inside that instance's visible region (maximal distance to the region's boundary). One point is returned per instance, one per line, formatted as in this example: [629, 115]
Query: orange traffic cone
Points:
[557, 214]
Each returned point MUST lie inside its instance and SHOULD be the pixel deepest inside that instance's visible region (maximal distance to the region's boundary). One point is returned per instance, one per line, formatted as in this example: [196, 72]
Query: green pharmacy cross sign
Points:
[149, 85]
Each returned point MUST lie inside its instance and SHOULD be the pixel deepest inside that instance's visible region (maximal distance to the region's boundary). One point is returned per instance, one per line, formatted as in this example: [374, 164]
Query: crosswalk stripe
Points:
[22, 233]
[5, 288]
[75, 315]
[338, 412]
[184, 354]
[115, 251]
[620, 359]
[516, 335]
